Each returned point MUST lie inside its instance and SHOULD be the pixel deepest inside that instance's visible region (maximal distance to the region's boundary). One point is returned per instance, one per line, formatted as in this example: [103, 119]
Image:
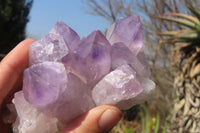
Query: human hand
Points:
[97, 120]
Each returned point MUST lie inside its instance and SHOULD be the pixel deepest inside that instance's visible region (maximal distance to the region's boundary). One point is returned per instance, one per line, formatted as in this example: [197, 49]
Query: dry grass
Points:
[123, 125]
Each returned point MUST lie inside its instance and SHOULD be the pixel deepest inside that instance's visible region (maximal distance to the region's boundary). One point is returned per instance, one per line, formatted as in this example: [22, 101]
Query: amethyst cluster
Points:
[68, 76]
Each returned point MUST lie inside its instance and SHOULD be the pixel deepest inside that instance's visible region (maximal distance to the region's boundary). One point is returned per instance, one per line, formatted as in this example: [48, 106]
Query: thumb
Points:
[98, 120]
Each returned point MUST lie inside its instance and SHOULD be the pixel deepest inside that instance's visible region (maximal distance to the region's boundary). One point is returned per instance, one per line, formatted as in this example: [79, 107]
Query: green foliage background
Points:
[14, 15]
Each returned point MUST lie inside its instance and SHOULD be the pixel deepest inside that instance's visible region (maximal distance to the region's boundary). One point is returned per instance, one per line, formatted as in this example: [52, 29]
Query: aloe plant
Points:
[185, 115]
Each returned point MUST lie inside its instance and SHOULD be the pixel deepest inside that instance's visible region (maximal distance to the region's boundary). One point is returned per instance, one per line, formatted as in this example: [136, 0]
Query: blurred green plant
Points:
[150, 124]
[127, 130]
[13, 19]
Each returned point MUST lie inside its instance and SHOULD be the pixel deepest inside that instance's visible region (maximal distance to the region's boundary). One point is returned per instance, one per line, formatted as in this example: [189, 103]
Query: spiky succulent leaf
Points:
[189, 35]
[186, 35]
[185, 16]
[186, 41]
[195, 11]
[180, 21]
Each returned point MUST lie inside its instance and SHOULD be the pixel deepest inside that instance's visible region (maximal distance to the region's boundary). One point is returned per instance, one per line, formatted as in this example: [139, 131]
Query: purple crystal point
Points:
[50, 48]
[121, 55]
[128, 31]
[51, 87]
[92, 58]
[120, 84]
[69, 35]
[44, 83]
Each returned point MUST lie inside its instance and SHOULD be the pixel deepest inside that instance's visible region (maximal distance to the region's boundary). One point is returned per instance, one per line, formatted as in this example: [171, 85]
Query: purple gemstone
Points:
[50, 48]
[52, 88]
[44, 82]
[145, 95]
[128, 31]
[121, 54]
[67, 77]
[92, 58]
[120, 84]
[31, 120]
[69, 35]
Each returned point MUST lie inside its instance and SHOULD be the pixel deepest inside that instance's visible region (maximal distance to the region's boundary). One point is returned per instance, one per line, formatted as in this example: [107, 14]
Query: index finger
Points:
[12, 67]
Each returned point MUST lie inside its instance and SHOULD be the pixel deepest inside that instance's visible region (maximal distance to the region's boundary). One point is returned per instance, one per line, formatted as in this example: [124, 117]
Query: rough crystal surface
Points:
[69, 35]
[31, 120]
[50, 87]
[68, 76]
[50, 48]
[92, 58]
[121, 55]
[120, 84]
[145, 95]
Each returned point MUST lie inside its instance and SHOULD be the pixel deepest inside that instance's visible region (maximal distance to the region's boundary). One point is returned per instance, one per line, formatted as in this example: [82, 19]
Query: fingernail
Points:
[109, 118]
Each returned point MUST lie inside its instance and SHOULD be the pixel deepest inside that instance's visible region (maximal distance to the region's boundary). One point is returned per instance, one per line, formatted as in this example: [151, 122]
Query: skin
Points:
[11, 75]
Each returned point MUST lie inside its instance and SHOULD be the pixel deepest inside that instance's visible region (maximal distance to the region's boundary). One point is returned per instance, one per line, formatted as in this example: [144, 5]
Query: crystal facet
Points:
[92, 58]
[50, 87]
[145, 95]
[120, 84]
[122, 55]
[50, 48]
[128, 31]
[70, 36]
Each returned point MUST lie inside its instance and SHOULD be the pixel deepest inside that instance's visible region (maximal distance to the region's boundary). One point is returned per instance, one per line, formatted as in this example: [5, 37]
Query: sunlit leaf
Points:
[168, 33]
[179, 21]
[195, 11]
[185, 16]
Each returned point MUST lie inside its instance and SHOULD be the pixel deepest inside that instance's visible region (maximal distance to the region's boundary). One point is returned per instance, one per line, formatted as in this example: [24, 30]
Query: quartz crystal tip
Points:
[128, 31]
[50, 48]
[69, 35]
